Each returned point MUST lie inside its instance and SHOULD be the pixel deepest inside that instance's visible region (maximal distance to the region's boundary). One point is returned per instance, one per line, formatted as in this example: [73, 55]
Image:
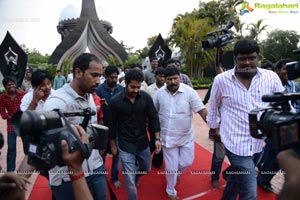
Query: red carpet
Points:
[40, 190]
[192, 185]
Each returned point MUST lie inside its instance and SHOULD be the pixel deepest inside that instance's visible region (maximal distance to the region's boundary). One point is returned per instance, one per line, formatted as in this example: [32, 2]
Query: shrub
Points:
[202, 83]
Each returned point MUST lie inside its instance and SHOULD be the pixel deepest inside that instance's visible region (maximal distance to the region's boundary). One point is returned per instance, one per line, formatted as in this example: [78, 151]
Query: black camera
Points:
[46, 129]
[293, 68]
[277, 121]
[220, 38]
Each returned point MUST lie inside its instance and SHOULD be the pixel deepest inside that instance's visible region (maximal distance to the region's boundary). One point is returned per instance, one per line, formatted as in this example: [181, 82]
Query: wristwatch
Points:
[157, 139]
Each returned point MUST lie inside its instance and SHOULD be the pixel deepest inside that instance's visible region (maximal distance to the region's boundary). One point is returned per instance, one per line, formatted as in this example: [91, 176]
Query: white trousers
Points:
[177, 160]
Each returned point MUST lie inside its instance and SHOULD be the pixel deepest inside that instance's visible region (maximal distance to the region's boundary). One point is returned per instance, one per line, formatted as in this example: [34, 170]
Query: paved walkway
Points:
[201, 138]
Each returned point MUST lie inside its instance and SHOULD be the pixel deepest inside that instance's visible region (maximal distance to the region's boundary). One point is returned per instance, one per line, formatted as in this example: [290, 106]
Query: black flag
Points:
[160, 50]
[13, 59]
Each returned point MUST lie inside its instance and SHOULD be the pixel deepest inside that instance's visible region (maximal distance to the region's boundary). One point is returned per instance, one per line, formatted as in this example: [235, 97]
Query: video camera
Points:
[293, 68]
[220, 38]
[277, 121]
[46, 129]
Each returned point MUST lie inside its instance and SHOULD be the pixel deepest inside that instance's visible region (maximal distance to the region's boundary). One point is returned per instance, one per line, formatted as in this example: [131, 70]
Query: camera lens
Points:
[35, 122]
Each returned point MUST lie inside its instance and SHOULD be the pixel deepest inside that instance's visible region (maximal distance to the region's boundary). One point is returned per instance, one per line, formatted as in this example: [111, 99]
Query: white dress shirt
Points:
[152, 89]
[27, 98]
[175, 114]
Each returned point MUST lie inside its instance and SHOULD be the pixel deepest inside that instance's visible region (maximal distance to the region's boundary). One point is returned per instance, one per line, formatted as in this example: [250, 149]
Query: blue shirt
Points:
[103, 91]
[293, 87]
[58, 82]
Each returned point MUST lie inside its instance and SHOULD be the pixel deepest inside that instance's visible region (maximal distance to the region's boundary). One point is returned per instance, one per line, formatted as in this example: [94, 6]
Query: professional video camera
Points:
[293, 68]
[46, 129]
[220, 38]
[277, 121]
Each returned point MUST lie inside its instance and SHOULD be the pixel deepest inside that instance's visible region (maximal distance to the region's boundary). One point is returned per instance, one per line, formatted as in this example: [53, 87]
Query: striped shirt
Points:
[235, 102]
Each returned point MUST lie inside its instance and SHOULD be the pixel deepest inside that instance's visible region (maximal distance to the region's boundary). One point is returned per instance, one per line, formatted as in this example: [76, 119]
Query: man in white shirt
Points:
[104, 65]
[35, 100]
[160, 81]
[234, 94]
[175, 104]
[157, 159]
[70, 77]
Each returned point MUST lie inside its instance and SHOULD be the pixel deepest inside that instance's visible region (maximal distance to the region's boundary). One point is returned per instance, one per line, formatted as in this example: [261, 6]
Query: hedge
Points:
[202, 83]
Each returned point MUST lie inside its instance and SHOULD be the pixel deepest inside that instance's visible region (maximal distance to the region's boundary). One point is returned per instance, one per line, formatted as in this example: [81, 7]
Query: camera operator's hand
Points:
[290, 163]
[214, 135]
[74, 160]
[13, 181]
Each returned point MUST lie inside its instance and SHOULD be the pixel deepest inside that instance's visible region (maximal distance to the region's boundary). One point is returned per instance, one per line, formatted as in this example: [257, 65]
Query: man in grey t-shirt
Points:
[87, 69]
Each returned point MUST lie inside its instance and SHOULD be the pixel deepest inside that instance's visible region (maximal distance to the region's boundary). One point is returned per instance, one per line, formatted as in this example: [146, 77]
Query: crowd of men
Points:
[160, 103]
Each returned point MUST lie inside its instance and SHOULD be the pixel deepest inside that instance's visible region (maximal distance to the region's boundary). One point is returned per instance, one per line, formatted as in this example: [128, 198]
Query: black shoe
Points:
[266, 187]
[215, 184]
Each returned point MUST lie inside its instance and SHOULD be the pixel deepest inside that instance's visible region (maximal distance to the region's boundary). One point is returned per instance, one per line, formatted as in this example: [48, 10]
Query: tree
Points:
[190, 29]
[220, 12]
[187, 33]
[256, 29]
[132, 59]
[279, 44]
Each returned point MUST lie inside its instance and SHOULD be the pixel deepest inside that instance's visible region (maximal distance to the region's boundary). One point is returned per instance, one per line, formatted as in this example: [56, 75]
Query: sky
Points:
[33, 22]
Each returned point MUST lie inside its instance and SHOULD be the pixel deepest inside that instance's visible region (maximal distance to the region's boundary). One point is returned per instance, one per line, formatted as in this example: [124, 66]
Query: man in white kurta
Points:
[175, 104]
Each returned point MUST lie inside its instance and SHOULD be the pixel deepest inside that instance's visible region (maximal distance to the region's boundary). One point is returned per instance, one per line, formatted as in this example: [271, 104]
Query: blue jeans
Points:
[217, 160]
[133, 166]
[96, 183]
[241, 178]
[115, 165]
[11, 151]
[270, 164]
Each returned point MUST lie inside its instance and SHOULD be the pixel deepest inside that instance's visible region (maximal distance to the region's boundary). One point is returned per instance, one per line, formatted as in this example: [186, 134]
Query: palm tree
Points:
[190, 29]
[239, 30]
[256, 29]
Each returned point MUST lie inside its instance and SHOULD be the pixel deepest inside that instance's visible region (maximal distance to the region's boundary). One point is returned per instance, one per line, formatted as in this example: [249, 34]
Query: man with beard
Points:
[133, 113]
[10, 104]
[175, 104]
[76, 96]
[107, 90]
[183, 77]
[234, 94]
